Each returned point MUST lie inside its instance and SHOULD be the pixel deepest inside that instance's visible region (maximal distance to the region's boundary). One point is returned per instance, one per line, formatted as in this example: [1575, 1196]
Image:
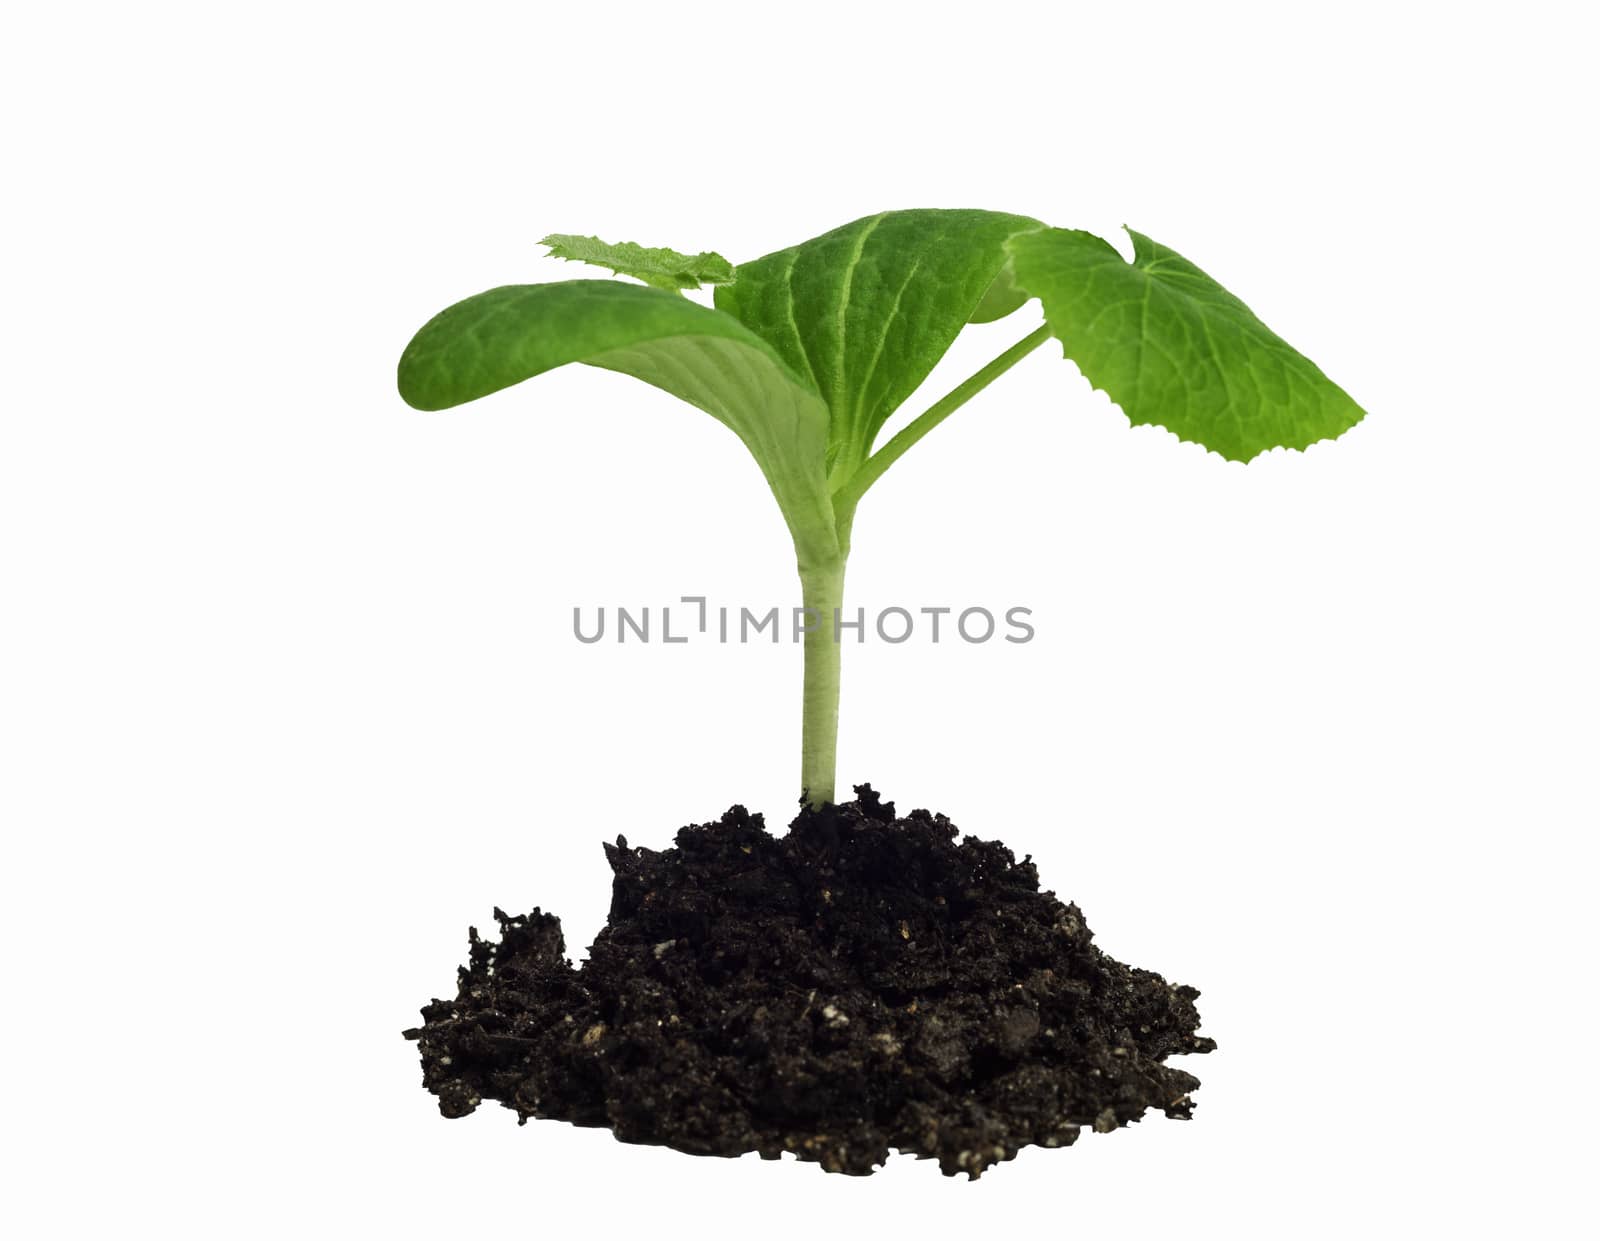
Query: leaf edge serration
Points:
[1145, 247]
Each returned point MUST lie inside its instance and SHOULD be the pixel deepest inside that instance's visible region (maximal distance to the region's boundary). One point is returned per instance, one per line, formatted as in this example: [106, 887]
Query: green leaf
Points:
[509, 334]
[1003, 297]
[867, 309]
[655, 265]
[1175, 349]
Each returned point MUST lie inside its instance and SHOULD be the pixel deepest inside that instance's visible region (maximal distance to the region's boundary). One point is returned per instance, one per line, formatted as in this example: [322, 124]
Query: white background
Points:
[290, 696]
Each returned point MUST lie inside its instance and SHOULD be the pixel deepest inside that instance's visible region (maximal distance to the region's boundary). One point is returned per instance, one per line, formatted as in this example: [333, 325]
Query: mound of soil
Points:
[863, 983]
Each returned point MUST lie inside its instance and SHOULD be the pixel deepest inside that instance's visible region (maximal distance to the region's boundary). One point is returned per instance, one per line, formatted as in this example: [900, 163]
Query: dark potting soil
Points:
[861, 984]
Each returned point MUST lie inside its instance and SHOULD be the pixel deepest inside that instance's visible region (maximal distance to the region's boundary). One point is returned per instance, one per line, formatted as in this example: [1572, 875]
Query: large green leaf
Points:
[1002, 298]
[867, 309]
[1174, 348]
[705, 357]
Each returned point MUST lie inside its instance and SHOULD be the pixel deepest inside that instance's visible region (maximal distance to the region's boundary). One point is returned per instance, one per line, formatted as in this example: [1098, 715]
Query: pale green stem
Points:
[822, 593]
[822, 584]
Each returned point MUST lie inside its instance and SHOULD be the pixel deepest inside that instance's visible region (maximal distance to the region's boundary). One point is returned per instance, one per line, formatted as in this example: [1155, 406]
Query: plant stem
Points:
[844, 504]
[822, 582]
[822, 593]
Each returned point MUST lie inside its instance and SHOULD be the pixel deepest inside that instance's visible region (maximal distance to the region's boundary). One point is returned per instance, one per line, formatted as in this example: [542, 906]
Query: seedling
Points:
[809, 350]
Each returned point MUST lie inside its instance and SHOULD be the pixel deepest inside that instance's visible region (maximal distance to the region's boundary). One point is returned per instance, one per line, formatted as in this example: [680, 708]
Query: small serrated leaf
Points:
[657, 266]
[1175, 349]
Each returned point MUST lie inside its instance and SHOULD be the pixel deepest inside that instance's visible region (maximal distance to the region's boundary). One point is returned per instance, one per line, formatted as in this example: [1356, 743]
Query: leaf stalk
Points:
[844, 503]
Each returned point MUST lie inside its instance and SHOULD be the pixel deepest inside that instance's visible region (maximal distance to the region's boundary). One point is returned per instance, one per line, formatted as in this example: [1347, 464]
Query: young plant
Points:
[809, 351]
